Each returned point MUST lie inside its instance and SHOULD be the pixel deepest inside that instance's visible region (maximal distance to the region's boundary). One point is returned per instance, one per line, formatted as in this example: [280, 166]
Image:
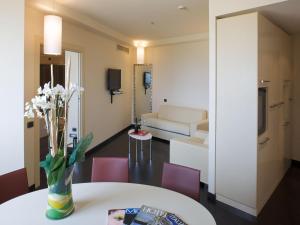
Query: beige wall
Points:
[99, 53]
[12, 85]
[180, 74]
[296, 97]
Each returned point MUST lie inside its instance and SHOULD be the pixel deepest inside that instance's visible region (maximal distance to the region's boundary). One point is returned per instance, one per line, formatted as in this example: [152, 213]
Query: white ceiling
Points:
[286, 15]
[133, 17]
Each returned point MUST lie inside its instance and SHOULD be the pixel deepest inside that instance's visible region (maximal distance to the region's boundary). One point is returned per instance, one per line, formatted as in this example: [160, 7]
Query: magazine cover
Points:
[170, 219]
[130, 213]
[116, 216]
[148, 216]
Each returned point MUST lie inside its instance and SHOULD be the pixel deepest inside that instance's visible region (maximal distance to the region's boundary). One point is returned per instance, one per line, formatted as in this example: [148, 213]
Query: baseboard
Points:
[295, 163]
[107, 141]
[31, 188]
[211, 197]
[238, 206]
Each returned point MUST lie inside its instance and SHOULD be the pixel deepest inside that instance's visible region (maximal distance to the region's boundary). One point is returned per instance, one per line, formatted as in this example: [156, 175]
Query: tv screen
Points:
[114, 79]
[147, 80]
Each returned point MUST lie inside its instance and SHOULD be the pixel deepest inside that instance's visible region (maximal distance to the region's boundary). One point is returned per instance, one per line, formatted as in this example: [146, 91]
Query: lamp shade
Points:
[140, 50]
[140, 55]
[52, 35]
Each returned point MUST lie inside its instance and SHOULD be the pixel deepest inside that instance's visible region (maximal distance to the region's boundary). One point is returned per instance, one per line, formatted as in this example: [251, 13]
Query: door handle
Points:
[276, 105]
[286, 124]
[265, 141]
[264, 81]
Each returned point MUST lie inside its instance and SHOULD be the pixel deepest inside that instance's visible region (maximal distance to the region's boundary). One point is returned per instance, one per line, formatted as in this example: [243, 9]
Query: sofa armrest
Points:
[149, 115]
[202, 125]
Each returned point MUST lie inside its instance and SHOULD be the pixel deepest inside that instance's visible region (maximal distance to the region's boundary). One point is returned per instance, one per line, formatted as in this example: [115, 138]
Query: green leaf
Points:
[46, 163]
[58, 162]
[78, 153]
[56, 169]
[61, 171]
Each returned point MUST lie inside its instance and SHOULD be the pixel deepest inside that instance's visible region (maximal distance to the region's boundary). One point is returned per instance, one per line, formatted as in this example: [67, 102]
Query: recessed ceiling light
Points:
[182, 7]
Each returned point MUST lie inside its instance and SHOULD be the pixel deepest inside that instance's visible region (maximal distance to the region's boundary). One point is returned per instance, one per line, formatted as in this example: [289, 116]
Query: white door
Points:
[74, 122]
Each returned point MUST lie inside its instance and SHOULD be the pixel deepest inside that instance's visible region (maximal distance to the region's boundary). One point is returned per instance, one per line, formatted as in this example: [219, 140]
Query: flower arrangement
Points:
[52, 104]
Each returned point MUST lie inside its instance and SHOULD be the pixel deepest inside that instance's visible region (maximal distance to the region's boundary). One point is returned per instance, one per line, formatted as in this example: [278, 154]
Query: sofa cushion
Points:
[181, 114]
[167, 125]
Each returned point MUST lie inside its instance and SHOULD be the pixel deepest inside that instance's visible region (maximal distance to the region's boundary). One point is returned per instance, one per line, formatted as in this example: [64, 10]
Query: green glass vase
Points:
[60, 200]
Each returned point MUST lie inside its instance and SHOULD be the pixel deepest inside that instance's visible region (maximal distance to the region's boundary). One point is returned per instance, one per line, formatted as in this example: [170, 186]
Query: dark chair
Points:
[182, 179]
[13, 184]
[110, 169]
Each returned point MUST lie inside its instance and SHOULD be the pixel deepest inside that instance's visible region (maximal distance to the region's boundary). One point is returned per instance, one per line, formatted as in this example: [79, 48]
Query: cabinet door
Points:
[285, 62]
[269, 69]
[286, 118]
[263, 170]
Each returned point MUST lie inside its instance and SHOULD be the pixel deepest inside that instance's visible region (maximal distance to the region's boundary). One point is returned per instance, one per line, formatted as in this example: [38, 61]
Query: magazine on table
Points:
[121, 216]
[153, 216]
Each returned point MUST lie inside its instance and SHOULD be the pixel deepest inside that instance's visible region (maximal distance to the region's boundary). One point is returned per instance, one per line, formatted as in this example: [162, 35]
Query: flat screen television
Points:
[147, 80]
[114, 79]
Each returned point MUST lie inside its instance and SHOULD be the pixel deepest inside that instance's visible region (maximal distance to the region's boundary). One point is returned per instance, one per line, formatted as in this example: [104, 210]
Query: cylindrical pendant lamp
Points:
[52, 35]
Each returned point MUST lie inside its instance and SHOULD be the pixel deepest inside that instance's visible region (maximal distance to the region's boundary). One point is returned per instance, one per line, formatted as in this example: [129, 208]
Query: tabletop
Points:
[93, 200]
[145, 137]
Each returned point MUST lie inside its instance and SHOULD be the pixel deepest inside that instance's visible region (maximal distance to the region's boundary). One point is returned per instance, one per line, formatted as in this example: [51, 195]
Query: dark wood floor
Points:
[282, 209]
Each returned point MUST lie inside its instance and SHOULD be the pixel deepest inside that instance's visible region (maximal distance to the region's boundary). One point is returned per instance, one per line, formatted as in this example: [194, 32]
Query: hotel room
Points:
[138, 112]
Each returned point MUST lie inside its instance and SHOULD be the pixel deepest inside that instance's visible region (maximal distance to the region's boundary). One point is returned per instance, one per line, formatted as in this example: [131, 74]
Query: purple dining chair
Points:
[110, 169]
[13, 184]
[182, 179]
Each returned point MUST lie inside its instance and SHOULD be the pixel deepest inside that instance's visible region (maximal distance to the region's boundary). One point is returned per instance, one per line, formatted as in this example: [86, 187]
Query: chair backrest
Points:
[182, 179]
[110, 169]
[13, 184]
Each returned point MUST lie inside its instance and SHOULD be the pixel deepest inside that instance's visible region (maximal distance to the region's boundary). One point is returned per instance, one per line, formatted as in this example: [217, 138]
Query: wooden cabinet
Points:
[249, 167]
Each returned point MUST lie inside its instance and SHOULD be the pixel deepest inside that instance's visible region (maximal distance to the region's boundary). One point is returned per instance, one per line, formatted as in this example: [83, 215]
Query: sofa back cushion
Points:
[181, 114]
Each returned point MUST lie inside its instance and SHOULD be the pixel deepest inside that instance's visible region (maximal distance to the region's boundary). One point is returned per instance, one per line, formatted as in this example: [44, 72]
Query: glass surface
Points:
[262, 110]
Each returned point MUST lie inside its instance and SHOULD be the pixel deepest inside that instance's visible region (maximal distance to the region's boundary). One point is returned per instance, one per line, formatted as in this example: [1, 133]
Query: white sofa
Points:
[174, 121]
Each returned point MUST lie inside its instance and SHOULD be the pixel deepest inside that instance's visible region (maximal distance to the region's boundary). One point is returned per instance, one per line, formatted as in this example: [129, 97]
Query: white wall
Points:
[180, 74]
[12, 85]
[296, 97]
[99, 53]
[219, 8]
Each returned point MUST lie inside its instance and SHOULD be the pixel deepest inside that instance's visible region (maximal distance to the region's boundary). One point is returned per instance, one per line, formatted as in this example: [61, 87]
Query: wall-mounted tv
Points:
[147, 80]
[114, 79]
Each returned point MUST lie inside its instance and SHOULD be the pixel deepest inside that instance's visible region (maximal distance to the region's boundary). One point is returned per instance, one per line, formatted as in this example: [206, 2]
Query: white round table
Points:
[93, 200]
[147, 137]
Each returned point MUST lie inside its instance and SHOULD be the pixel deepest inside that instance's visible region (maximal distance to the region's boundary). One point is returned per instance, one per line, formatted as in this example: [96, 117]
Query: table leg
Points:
[150, 150]
[136, 150]
[141, 146]
[142, 152]
[129, 150]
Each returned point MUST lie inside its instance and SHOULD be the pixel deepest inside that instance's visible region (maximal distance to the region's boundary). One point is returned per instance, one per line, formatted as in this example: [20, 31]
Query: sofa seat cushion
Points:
[167, 125]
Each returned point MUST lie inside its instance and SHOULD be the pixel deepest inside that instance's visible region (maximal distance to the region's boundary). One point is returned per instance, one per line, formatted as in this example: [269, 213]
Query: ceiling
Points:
[286, 15]
[146, 19]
